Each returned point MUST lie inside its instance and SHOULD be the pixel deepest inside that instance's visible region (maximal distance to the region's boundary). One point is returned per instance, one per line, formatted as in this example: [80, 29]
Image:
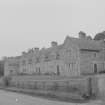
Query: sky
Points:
[27, 24]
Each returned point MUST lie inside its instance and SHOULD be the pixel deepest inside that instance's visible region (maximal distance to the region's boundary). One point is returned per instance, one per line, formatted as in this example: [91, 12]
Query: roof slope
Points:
[47, 51]
[85, 44]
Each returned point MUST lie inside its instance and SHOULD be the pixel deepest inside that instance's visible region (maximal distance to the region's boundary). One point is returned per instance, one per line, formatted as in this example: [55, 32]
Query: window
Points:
[58, 72]
[69, 65]
[68, 52]
[11, 71]
[10, 64]
[38, 70]
[46, 58]
[30, 61]
[57, 56]
[95, 54]
[24, 70]
[95, 68]
[23, 62]
[37, 60]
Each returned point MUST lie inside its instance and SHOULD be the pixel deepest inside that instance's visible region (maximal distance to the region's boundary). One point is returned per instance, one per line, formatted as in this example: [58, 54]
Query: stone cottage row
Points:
[75, 57]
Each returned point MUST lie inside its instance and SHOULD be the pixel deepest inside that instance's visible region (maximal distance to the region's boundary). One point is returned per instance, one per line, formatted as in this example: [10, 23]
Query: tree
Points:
[100, 36]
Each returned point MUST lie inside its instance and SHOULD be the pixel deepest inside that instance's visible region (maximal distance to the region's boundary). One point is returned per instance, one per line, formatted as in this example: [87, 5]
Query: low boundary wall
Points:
[84, 86]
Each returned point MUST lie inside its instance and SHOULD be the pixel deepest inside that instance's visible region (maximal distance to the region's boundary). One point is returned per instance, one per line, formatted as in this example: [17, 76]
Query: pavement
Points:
[12, 98]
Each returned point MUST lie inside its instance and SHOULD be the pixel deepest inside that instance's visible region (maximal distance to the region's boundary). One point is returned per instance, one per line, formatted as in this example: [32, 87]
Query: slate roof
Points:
[80, 43]
[47, 51]
[86, 44]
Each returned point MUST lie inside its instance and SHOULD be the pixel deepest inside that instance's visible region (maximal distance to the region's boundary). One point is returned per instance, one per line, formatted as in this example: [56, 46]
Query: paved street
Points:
[11, 98]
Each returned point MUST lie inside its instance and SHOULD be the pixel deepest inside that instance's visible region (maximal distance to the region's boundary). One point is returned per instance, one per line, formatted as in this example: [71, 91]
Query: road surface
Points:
[11, 98]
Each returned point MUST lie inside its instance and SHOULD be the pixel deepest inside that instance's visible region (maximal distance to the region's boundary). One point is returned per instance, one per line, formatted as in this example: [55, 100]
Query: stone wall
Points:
[79, 85]
[87, 61]
[101, 86]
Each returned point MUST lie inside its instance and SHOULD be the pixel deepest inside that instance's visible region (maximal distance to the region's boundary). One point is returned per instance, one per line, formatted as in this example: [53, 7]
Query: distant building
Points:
[75, 57]
[1, 68]
[11, 65]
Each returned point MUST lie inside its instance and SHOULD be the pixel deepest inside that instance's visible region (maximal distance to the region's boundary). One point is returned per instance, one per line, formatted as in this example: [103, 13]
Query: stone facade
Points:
[75, 57]
[11, 65]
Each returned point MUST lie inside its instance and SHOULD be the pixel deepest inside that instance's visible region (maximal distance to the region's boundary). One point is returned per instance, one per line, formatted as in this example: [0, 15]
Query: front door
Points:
[95, 68]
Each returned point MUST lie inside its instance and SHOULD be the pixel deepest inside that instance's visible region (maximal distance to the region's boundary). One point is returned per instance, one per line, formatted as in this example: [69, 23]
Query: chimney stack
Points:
[36, 49]
[53, 43]
[82, 35]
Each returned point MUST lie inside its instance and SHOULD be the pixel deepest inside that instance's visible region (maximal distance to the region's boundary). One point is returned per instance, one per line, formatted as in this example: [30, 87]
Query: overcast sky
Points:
[35, 23]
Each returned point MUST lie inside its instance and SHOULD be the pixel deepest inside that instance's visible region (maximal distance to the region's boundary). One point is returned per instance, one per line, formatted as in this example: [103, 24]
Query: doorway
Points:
[95, 68]
[58, 72]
